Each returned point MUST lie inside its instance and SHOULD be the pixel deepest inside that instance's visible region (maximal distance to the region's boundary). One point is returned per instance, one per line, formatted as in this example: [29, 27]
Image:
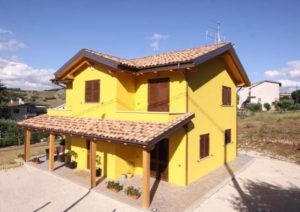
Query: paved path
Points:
[27, 189]
[265, 185]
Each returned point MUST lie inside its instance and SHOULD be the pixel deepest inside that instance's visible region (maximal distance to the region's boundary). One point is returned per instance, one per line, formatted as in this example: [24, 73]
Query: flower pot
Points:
[72, 165]
[98, 172]
[114, 190]
[134, 196]
[61, 157]
[67, 159]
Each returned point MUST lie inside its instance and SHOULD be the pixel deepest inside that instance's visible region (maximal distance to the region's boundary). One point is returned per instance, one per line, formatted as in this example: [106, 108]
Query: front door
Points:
[158, 94]
[88, 154]
[159, 160]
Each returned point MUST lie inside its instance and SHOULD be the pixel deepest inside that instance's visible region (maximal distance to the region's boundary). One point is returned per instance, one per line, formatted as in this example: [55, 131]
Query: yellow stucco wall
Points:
[205, 100]
[120, 92]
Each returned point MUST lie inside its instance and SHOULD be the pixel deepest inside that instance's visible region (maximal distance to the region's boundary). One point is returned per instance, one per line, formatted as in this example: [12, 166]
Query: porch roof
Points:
[121, 131]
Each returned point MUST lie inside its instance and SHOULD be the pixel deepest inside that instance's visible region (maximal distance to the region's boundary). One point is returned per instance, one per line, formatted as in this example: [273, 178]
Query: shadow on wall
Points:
[262, 196]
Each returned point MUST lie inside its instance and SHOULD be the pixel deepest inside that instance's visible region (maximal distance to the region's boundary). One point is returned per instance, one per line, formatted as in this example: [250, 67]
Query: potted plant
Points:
[60, 153]
[130, 169]
[114, 186]
[98, 162]
[36, 160]
[68, 159]
[132, 192]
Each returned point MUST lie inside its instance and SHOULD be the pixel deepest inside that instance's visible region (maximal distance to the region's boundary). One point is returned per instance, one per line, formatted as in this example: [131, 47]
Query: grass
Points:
[276, 134]
[8, 157]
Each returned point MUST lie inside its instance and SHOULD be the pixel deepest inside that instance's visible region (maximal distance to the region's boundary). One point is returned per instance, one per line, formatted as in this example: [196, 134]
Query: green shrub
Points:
[254, 107]
[283, 105]
[10, 135]
[267, 106]
[296, 96]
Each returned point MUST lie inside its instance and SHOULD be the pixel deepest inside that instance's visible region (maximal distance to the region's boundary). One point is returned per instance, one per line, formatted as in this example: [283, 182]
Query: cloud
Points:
[15, 74]
[155, 40]
[289, 75]
[8, 42]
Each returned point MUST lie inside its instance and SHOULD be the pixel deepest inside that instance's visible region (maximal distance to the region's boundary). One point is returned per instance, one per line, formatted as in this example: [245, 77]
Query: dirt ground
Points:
[277, 135]
[8, 155]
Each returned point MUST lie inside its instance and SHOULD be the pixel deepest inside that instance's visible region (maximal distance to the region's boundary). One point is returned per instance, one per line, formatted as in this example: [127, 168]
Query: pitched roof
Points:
[269, 81]
[173, 57]
[183, 58]
[122, 131]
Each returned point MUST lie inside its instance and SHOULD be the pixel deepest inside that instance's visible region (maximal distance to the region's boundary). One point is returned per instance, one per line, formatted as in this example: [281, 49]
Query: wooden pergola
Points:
[93, 143]
[155, 132]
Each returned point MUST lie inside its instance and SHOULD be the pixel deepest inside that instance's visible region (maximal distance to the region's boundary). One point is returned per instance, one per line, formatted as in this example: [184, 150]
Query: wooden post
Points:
[93, 146]
[146, 179]
[27, 145]
[51, 151]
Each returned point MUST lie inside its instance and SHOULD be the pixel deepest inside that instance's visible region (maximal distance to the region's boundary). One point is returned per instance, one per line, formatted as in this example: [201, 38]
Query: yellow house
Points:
[171, 116]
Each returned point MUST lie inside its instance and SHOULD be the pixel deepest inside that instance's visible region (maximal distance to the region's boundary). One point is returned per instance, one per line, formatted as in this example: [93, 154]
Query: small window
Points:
[92, 91]
[204, 146]
[226, 95]
[227, 136]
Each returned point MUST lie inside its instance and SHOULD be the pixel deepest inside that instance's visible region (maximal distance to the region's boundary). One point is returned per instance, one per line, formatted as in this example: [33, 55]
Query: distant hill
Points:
[51, 98]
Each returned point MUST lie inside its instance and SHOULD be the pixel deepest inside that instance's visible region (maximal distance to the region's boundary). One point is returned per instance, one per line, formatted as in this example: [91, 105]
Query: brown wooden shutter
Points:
[88, 91]
[204, 146]
[96, 91]
[226, 95]
[227, 136]
[92, 91]
[229, 96]
[158, 94]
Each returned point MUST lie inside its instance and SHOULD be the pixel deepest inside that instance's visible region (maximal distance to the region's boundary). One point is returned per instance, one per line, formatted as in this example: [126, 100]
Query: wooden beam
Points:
[93, 147]
[51, 151]
[27, 145]
[146, 179]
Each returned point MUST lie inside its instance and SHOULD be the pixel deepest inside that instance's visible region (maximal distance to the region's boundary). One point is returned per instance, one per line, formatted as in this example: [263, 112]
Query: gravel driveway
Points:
[26, 189]
[265, 185]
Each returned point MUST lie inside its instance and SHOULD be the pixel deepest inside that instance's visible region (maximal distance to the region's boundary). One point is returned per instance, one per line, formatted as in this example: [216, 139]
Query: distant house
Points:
[19, 110]
[285, 95]
[261, 92]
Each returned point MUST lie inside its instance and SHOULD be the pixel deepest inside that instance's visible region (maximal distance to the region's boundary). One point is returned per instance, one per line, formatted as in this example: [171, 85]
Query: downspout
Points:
[187, 127]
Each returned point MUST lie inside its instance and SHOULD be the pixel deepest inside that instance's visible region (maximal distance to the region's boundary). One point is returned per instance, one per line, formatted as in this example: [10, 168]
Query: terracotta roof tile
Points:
[122, 130]
[181, 56]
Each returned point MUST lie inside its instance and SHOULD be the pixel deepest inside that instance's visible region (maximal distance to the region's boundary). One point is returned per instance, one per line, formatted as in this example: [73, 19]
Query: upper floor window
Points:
[227, 136]
[226, 95]
[204, 146]
[92, 91]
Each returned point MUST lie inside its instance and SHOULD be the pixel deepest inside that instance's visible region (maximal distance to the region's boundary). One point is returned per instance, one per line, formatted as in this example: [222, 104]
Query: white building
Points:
[261, 92]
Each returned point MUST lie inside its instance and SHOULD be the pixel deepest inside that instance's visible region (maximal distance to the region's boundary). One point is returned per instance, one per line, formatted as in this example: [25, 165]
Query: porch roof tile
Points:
[122, 131]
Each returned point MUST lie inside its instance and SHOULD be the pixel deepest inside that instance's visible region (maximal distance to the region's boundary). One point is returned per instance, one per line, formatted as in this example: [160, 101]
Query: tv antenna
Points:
[215, 34]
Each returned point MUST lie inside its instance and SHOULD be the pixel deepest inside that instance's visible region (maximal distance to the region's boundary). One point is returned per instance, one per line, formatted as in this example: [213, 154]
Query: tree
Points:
[4, 99]
[296, 96]
[254, 107]
[267, 106]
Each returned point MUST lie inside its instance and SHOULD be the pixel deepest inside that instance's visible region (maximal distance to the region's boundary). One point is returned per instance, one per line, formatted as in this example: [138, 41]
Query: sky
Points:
[38, 36]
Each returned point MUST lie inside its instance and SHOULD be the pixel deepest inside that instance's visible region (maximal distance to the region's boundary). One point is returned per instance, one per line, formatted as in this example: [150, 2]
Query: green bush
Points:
[283, 105]
[10, 135]
[267, 106]
[254, 107]
[296, 96]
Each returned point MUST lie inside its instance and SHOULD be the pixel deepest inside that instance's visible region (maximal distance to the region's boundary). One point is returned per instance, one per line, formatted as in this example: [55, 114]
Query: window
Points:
[227, 136]
[226, 95]
[204, 146]
[92, 91]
